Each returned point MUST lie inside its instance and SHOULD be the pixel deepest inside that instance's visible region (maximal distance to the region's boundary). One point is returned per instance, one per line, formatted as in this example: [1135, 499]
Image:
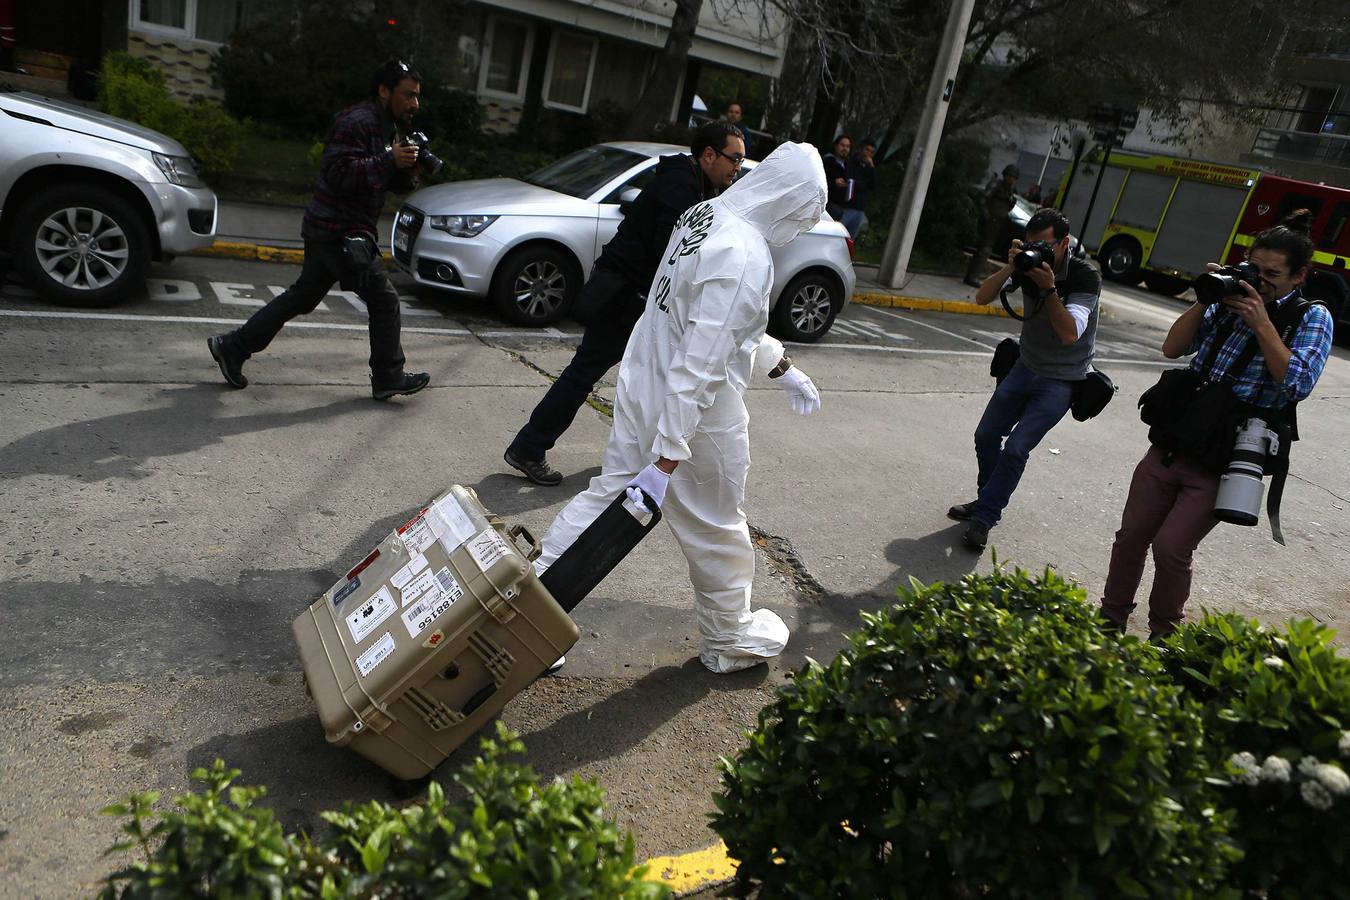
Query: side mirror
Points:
[627, 197]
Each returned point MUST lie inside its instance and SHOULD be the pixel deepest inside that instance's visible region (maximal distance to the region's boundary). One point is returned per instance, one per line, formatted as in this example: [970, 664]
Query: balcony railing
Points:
[1303, 146]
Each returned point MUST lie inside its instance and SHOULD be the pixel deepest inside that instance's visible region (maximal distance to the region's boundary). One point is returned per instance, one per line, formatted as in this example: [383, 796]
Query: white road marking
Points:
[210, 320]
[959, 337]
[881, 332]
[171, 290]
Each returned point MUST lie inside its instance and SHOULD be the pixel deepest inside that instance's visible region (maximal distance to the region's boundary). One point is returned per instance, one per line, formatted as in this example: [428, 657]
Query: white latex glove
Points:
[801, 390]
[653, 481]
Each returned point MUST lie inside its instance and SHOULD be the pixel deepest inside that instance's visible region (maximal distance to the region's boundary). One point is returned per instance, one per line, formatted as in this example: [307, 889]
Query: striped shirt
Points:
[355, 172]
[1308, 352]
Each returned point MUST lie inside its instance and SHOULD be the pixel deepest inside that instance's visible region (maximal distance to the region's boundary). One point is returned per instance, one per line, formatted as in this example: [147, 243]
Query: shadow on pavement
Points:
[510, 494]
[939, 556]
[116, 446]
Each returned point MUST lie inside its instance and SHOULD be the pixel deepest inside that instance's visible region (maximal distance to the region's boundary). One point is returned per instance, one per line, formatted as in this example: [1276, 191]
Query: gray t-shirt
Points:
[1043, 352]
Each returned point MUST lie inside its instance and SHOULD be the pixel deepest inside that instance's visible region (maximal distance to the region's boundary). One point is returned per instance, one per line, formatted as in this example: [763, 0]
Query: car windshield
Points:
[586, 171]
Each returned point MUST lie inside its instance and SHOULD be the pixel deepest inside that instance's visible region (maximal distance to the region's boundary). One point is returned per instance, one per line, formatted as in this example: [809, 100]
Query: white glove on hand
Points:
[653, 481]
[801, 390]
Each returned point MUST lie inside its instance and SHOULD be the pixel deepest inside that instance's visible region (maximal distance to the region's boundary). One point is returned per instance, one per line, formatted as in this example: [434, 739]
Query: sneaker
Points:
[976, 536]
[556, 666]
[230, 359]
[404, 384]
[961, 511]
[540, 472]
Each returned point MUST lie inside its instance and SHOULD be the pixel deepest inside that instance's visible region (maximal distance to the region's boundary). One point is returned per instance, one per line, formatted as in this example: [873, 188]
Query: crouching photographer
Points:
[1218, 425]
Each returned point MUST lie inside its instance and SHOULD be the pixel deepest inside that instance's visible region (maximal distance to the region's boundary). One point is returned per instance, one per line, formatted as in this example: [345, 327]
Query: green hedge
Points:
[133, 89]
[987, 738]
[509, 837]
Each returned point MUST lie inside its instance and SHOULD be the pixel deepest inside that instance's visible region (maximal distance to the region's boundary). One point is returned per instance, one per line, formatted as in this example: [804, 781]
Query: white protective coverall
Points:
[681, 381]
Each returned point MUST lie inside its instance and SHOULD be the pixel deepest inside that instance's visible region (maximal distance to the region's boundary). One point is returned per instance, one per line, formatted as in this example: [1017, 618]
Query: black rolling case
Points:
[597, 550]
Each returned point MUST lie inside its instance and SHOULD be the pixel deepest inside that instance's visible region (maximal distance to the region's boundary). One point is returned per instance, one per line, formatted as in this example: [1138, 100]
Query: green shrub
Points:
[133, 89]
[510, 837]
[1276, 706]
[982, 738]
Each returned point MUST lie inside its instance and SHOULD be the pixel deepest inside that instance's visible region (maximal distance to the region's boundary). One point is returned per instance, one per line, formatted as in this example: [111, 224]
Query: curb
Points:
[961, 307]
[690, 872]
[256, 252]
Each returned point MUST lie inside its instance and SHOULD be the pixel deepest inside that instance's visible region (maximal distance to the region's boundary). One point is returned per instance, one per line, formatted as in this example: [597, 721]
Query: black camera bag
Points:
[358, 254]
[1006, 355]
[1091, 395]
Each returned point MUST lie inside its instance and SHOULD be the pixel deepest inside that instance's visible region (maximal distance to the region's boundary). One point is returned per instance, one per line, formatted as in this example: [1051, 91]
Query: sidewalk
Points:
[272, 233]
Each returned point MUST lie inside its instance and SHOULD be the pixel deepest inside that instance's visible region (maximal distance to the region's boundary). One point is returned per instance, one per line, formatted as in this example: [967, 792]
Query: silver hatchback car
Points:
[529, 243]
[88, 200]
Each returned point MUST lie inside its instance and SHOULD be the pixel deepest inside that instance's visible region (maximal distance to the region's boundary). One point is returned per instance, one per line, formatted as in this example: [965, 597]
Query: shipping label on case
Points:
[487, 548]
[405, 574]
[368, 617]
[458, 527]
[420, 615]
[346, 591]
[421, 532]
[375, 654]
[419, 586]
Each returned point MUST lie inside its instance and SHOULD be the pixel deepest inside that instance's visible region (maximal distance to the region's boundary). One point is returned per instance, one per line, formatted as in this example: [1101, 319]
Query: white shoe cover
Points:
[764, 638]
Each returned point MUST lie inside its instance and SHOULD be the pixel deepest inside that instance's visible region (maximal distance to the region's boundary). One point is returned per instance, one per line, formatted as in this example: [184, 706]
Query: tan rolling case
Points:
[430, 636]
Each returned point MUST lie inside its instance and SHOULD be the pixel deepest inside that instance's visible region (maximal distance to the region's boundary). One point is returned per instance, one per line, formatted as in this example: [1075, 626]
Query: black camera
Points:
[1226, 282]
[1033, 254]
[430, 162]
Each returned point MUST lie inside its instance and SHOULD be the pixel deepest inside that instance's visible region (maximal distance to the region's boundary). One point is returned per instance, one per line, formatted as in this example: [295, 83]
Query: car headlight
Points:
[179, 170]
[461, 226]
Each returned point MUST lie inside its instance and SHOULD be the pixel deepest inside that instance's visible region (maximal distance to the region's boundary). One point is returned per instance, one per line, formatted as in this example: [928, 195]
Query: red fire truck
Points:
[1159, 219]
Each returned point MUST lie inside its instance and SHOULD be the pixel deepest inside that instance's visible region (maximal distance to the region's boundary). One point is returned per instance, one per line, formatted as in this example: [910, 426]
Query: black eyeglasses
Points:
[735, 160]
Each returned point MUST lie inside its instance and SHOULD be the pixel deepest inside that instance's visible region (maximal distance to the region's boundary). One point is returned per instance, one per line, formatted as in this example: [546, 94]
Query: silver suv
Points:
[88, 200]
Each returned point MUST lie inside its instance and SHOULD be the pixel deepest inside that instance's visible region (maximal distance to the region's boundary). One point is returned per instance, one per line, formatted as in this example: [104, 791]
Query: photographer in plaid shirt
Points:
[365, 155]
[1171, 499]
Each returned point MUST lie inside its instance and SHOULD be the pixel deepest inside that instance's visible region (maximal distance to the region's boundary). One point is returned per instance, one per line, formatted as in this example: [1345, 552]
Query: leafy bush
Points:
[951, 213]
[300, 63]
[978, 738]
[133, 89]
[1276, 706]
[510, 837]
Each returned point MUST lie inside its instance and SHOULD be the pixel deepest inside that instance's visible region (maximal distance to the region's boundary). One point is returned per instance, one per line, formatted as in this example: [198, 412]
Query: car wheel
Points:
[1120, 260]
[807, 307]
[1165, 284]
[536, 286]
[82, 245]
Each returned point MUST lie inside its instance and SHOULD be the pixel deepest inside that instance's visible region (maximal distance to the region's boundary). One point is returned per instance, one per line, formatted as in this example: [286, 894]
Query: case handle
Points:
[517, 532]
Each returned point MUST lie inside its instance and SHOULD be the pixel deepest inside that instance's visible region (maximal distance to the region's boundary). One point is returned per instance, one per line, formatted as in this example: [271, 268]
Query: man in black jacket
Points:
[612, 300]
[364, 156]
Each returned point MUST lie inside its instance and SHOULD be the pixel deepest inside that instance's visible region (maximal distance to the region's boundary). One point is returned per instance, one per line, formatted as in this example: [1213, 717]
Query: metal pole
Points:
[909, 207]
[1087, 216]
[1040, 179]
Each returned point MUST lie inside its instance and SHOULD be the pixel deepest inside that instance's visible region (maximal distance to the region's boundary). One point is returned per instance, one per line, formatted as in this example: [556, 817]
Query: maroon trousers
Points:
[1171, 508]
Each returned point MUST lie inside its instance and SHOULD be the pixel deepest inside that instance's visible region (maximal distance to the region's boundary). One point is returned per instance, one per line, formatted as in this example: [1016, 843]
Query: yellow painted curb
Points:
[692, 871]
[962, 307]
[259, 252]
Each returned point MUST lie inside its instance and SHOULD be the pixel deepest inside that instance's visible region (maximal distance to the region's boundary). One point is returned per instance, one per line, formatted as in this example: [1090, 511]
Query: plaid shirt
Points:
[356, 170]
[1308, 353]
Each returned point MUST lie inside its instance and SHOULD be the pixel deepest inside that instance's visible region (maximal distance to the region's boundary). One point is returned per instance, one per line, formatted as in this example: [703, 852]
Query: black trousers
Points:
[322, 268]
[617, 304]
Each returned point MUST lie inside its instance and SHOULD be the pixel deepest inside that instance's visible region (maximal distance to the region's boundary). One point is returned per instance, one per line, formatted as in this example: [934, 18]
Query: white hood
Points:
[783, 196]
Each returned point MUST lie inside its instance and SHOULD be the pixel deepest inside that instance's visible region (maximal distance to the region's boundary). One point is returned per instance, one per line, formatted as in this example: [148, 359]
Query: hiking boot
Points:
[404, 384]
[230, 358]
[540, 472]
[977, 535]
[961, 511]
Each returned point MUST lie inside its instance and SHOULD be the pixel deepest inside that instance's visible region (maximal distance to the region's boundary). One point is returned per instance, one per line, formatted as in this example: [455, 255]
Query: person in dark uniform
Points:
[364, 156]
[612, 299]
[998, 200]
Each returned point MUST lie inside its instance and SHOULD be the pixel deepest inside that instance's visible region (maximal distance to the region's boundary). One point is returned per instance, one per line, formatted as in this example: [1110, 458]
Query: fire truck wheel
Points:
[1120, 259]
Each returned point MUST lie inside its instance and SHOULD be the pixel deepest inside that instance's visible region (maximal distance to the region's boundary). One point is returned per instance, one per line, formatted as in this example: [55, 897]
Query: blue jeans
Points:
[853, 220]
[1024, 407]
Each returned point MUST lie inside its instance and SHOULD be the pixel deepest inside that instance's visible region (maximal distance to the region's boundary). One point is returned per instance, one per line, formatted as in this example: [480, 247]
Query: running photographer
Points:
[1219, 424]
[1060, 292]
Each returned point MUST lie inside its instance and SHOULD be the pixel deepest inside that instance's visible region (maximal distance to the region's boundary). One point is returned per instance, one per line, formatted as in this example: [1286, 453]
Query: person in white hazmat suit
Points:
[680, 421]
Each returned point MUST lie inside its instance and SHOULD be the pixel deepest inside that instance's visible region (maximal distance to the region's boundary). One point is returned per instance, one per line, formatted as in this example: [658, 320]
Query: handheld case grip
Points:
[597, 550]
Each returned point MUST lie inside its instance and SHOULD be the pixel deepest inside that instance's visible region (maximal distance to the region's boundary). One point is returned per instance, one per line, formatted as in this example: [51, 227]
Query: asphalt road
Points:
[162, 530]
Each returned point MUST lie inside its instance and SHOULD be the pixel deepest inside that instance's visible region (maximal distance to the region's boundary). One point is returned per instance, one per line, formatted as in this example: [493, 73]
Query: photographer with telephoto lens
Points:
[1218, 425]
[1060, 293]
